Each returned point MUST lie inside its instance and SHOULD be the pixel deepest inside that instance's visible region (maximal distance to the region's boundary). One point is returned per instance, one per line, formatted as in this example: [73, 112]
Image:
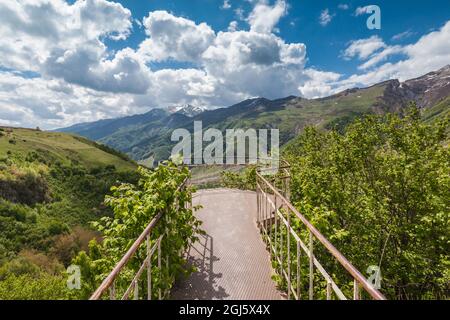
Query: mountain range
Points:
[147, 136]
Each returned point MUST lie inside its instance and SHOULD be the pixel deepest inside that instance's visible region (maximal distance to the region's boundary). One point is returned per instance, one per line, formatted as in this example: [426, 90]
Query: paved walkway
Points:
[231, 259]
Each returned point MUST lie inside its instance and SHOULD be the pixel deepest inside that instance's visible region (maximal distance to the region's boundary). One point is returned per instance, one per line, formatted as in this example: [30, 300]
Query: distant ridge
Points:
[148, 135]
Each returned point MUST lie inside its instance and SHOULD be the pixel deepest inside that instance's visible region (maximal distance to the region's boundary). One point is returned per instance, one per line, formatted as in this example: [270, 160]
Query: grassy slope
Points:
[51, 186]
[320, 113]
[440, 110]
[60, 147]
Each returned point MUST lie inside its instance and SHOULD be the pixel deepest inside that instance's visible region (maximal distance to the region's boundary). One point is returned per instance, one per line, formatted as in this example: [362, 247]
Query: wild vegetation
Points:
[245, 180]
[51, 186]
[134, 206]
[378, 187]
[380, 192]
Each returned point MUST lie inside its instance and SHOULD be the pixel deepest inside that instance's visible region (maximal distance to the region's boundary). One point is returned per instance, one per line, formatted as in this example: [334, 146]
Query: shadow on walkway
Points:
[202, 283]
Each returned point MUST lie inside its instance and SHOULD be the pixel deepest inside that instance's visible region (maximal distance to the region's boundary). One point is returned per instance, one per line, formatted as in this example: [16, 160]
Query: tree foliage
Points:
[381, 193]
[134, 206]
[245, 180]
[45, 208]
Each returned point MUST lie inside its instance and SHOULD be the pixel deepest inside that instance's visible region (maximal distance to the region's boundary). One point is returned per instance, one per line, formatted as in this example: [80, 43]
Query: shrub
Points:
[33, 287]
[380, 192]
[66, 246]
[25, 186]
[245, 180]
[134, 206]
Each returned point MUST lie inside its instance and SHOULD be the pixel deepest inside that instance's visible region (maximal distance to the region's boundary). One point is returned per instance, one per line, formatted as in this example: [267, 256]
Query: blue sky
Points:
[324, 43]
[64, 62]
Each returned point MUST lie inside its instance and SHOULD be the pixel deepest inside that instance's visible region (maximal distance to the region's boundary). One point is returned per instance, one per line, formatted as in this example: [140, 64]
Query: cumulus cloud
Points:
[86, 67]
[233, 26]
[264, 17]
[236, 58]
[77, 78]
[81, 79]
[32, 102]
[40, 26]
[319, 83]
[65, 41]
[228, 61]
[174, 37]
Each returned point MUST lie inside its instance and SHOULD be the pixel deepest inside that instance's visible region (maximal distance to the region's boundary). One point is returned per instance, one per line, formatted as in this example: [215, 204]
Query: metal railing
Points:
[133, 289]
[275, 220]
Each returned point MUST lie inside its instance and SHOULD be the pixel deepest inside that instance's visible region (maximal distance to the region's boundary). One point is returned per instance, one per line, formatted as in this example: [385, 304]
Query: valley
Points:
[148, 135]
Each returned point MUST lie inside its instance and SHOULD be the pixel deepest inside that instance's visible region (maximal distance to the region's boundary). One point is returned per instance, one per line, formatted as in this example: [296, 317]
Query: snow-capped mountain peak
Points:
[187, 110]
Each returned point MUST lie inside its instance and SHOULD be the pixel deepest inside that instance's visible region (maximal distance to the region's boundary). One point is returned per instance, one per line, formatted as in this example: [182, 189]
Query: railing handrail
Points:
[109, 280]
[119, 266]
[374, 293]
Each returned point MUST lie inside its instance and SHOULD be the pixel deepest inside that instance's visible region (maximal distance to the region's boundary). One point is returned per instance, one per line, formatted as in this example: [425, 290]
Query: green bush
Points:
[33, 287]
[245, 180]
[381, 193]
[134, 206]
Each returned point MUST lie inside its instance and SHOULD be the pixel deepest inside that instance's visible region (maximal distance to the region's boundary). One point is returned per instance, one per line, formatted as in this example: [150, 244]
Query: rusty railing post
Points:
[159, 268]
[299, 252]
[288, 242]
[149, 269]
[356, 294]
[112, 291]
[311, 267]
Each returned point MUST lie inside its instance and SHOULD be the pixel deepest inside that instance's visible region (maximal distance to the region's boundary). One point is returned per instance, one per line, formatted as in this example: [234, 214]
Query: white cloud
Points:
[233, 26]
[364, 48]
[86, 67]
[239, 12]
[237, 59]
[361, 10]
[226, 5]
[320, 83]
[77, 78]
[54, 103]
[343, 6]
[378, 57]
[83, 80]
[174, 37]
[40, 26]
[325, 17]
[429, 53]
[264, 17]
[402, 35]
[65, 41]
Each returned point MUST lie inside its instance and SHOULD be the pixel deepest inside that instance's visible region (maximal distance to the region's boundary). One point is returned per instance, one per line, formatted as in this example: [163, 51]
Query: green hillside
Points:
[65, 148]
[147, 136]
[440, 110]
[52, 185]
[293, 116]
[290, 115]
